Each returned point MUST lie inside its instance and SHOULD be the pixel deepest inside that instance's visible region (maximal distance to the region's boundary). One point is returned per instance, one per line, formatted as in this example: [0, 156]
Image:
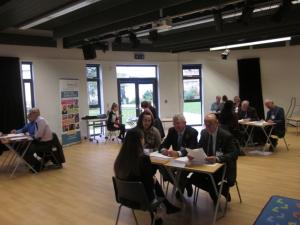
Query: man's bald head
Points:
[269, 103]
[211, 123]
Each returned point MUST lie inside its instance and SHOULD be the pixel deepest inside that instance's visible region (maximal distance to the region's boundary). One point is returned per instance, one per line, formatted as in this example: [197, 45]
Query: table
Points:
[208, 169]
[261, 124]
[94, 123]
[16, 143]
[295, 119]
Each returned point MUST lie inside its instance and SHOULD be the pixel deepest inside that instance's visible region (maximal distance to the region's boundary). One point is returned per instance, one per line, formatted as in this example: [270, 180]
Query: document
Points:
[198, 155]
[159, 155]
[12, 135]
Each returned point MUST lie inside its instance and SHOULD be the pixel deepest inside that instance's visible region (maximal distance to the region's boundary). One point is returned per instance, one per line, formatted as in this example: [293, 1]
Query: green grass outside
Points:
[192, 107]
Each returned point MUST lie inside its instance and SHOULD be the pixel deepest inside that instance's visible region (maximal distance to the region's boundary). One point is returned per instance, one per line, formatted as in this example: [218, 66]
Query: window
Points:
[136, 71]
[93, 88]
[192, 97]
[27, 80]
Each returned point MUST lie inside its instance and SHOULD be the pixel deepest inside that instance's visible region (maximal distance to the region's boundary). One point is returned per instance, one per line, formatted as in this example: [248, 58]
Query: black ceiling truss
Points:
[127, 25]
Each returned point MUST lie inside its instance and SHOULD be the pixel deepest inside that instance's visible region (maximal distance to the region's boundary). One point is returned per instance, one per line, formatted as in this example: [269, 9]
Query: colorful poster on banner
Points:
[70, 111]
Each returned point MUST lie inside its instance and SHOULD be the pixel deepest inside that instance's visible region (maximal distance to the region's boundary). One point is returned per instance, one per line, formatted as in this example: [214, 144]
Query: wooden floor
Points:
[82, 193]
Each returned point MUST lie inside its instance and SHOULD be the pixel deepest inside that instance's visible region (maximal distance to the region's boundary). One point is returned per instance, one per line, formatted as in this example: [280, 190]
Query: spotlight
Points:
[246, 14]
[118, 39]
[153, 35]
[218, 20]
[282, 11]
[133, 40]
[102, 46]
[225, 54]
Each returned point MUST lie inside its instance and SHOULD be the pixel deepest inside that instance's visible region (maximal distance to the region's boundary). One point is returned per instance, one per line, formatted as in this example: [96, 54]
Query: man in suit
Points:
[275, 115]
[219, 147]
[247, 112]
[180, 137]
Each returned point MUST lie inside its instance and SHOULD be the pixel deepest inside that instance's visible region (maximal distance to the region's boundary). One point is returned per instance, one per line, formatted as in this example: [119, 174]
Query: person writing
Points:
[41, 133]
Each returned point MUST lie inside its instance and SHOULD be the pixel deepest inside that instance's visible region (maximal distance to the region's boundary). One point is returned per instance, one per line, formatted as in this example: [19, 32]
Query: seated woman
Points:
[132, 164]
[113, 121]
[157, 122]
[228, 119]
[151, 133]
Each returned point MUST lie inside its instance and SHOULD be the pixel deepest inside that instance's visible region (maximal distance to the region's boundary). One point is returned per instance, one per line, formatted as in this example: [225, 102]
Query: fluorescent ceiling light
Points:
[250, 43]
[59, 13]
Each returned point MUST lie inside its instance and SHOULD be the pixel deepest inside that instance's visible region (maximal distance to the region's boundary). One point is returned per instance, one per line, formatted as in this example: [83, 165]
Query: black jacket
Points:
[189, 139]
[249, 114]
[224, 144]
[277, 116]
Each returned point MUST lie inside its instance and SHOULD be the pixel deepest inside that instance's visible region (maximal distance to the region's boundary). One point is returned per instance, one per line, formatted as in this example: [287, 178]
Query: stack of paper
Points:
[198, 156]
[159, 155]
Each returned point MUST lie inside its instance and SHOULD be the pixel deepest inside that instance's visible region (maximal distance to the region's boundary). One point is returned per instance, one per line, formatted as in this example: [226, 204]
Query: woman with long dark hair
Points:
[228, 119]
[151, 134]
[132, 164]
[113, 121]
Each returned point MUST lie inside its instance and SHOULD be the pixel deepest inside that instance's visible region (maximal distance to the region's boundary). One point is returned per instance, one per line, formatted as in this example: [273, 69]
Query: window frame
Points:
[98, 80]
[31, 82]
[193, 77]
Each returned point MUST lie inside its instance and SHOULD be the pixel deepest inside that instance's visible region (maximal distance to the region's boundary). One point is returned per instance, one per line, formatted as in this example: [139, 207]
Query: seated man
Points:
[219, 147]
[276, 115]
[41, 133]
[216, 106]
[180, 136]
[247, 112]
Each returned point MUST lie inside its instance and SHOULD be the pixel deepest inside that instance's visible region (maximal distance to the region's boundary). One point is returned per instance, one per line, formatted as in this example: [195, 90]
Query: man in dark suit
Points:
[247, 112]
[180, 137]
[275, 115]
[219, 147]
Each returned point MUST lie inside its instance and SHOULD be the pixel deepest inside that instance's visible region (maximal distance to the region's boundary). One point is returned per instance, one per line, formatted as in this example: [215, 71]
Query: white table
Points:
[94, 123]
[18, 144]
[261, 124]
[210, 170]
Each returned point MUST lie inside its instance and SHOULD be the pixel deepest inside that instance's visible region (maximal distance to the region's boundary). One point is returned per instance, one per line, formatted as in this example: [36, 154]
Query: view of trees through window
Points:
[192, 105]
[27, 80]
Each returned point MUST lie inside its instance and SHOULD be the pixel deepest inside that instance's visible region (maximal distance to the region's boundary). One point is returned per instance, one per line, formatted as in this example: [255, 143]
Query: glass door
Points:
[131, 93]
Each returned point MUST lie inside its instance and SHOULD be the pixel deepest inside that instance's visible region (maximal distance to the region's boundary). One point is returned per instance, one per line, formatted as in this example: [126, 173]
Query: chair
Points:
[133, 195]
[53, 153]
[240, 197]
[112, 135]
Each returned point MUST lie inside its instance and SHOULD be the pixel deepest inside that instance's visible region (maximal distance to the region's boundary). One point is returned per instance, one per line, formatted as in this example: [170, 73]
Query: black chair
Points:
[53, 153]
[132, 194]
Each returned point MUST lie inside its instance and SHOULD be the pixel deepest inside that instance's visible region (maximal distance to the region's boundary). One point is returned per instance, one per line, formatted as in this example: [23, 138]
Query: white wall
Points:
[279, 70]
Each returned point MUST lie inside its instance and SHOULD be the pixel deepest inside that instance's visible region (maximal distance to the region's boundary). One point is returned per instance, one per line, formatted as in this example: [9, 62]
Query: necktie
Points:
[179, 141]
[210, 151]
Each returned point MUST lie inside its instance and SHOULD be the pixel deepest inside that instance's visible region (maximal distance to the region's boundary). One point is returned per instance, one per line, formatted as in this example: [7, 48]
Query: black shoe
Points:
[172, 209]
[177, 195]
[158, 221]
[228, 197]
[189, 189]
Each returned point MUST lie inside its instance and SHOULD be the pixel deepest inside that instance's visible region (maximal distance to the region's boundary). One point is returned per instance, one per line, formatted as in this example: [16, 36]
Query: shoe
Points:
[228, 197]
[172, 209]
[177, 195]
[158, 221]
[189, 190]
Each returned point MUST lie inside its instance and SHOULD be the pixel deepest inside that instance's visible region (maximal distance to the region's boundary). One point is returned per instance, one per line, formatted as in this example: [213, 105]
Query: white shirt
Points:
[43, 131]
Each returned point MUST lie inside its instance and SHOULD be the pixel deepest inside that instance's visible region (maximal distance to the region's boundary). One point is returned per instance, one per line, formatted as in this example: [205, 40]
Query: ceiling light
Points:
[58, 13]
[250, 43]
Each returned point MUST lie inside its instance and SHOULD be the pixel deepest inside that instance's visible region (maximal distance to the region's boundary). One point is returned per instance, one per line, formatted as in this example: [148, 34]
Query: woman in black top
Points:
[133, 165]
[113, 121]
[228, 119]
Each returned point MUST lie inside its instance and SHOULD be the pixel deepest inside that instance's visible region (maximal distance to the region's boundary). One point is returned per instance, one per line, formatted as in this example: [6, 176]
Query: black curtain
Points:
[250, 84]
[11, 106]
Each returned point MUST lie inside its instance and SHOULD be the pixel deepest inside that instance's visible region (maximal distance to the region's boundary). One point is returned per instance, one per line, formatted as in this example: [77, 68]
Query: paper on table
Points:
[198, 154]
[20, 138]
[159, 155]
[12, 136]
[179, 162]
